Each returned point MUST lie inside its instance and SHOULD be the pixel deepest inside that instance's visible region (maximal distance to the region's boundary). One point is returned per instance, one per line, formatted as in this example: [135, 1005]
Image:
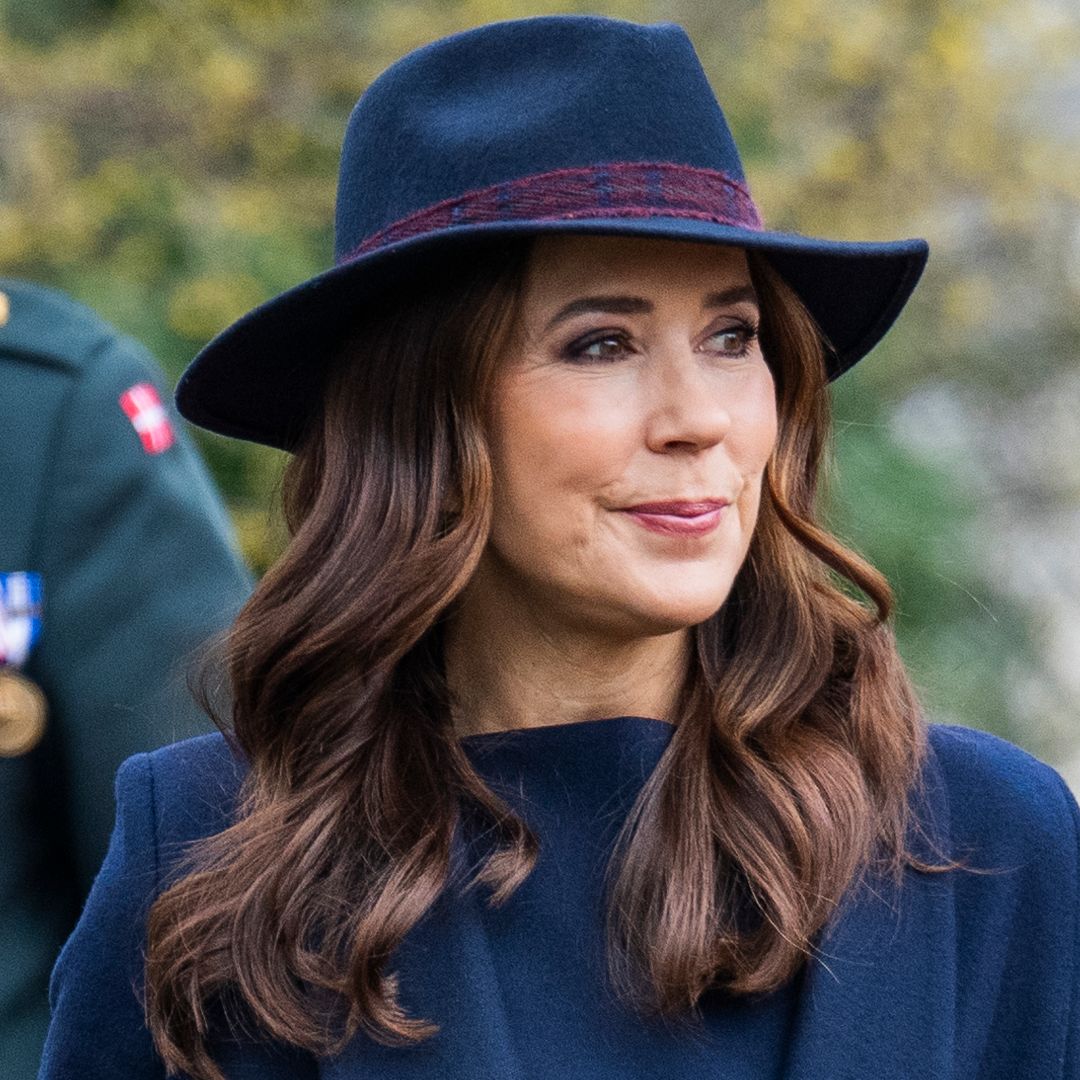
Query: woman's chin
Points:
[652, 615]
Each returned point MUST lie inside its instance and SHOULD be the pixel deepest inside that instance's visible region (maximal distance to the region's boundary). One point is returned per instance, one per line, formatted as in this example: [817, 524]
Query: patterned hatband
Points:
[623, 189]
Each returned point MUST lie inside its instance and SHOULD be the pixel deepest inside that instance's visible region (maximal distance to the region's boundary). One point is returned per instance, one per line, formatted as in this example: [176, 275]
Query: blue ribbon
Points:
[20, 615]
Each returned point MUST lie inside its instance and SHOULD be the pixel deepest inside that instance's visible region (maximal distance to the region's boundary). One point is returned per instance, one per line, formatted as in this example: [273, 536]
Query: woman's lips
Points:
[678, 519]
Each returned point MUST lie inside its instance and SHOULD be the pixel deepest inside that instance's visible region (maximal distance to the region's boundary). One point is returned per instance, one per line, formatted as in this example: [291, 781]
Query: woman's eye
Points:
[736, 340]
[608, 347]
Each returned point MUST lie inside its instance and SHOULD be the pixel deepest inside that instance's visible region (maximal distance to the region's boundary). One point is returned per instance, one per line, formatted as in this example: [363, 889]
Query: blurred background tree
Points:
[174, 164]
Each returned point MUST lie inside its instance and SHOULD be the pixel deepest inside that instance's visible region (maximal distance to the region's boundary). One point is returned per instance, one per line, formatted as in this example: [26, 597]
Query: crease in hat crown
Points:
[579, 123]
[520, 98]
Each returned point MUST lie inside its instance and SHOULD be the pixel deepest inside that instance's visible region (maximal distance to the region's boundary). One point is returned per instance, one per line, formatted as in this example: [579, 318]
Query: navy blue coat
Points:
[956, 977]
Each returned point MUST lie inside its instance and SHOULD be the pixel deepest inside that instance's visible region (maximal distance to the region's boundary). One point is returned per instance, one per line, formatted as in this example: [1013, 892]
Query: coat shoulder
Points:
[49, 328]
[1003, 800]
[194, 785]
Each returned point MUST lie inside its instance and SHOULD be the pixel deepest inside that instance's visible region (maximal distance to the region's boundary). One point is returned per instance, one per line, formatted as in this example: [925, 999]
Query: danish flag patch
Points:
[148, 417]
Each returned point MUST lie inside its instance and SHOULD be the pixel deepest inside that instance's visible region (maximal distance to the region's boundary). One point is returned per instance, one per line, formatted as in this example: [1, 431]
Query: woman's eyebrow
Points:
[636, 305]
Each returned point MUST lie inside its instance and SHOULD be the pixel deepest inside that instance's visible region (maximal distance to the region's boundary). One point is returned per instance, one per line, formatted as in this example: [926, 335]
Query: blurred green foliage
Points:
[174, 164]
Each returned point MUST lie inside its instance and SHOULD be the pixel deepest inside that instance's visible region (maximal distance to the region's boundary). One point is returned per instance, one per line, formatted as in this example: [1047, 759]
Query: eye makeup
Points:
[575, 351]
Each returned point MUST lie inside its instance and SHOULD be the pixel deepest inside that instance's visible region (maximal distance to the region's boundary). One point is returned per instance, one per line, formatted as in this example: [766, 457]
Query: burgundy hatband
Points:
[622, 189]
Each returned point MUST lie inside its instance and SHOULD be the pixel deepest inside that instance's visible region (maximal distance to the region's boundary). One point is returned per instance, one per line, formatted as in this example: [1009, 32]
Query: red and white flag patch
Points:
[148, 417]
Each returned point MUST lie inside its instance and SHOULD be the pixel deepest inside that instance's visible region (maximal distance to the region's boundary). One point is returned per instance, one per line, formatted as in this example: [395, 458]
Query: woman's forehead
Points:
[563, 263]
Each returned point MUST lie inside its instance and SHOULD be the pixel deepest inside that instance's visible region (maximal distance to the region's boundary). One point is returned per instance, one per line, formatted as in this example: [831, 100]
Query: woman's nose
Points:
[685, 404]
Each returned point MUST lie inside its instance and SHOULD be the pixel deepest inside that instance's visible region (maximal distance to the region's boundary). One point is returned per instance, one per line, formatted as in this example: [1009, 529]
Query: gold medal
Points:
[22, 713]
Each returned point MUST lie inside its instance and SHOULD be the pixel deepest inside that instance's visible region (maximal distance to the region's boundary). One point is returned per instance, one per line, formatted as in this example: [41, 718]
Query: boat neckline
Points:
[576, 728]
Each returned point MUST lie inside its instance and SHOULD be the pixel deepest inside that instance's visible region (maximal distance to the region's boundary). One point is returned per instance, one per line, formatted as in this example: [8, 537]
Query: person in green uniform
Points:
[117, 562]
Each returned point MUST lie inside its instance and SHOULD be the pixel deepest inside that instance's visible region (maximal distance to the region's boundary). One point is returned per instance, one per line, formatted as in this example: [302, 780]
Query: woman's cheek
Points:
[576, 434]
[759, 429]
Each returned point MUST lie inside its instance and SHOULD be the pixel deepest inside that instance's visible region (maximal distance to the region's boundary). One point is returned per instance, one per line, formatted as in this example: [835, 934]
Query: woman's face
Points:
[637, 378]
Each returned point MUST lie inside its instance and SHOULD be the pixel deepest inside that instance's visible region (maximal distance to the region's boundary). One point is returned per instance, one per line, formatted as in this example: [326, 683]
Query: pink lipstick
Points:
[679, 518]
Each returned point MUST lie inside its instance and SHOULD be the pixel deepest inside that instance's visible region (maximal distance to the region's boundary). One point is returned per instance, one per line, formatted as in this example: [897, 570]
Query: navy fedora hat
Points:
[562, 123]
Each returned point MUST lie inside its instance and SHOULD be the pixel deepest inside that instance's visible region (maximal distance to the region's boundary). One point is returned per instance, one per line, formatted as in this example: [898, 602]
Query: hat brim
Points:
[260, 379]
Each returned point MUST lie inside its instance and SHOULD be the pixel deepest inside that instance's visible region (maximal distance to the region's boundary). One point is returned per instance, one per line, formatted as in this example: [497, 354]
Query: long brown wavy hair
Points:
[798, 741]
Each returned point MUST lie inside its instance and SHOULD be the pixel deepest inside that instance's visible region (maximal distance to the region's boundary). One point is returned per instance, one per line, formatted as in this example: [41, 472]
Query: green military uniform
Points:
[105, 501]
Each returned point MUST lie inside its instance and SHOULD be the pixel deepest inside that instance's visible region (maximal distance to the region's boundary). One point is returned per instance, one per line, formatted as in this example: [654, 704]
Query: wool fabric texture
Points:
[953, 977]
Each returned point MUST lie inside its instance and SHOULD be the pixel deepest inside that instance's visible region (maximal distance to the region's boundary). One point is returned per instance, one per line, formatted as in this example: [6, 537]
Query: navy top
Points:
[957, 976]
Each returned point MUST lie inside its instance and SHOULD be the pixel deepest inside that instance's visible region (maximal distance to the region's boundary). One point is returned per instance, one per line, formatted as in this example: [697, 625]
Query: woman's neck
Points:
[514, 666]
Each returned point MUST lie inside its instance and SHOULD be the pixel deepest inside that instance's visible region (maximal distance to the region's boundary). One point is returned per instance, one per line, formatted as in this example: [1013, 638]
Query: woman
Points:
[561, 744]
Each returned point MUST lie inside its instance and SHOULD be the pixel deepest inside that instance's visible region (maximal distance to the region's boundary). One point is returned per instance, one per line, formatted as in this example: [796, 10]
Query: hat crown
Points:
[522, 97]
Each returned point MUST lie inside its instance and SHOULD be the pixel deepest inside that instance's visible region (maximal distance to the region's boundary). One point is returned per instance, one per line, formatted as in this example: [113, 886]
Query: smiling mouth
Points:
[678, 519]
[679, 507]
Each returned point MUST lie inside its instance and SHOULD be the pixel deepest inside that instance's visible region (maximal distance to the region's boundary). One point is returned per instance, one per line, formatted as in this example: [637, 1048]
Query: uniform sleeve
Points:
[97, 1030]
[139, 569]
